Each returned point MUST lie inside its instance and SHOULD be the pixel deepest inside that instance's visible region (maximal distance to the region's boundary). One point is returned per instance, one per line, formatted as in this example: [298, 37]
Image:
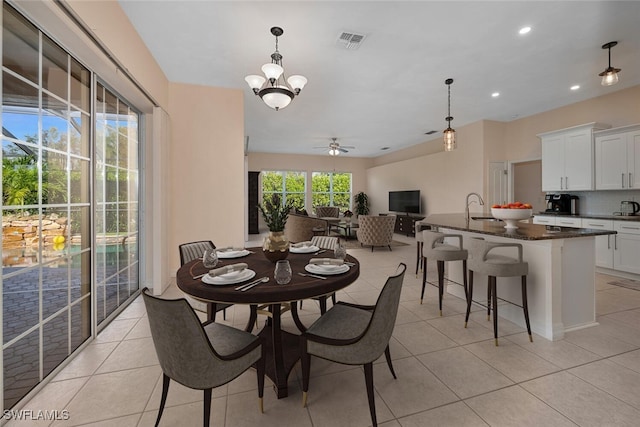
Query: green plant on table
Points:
[275, 213]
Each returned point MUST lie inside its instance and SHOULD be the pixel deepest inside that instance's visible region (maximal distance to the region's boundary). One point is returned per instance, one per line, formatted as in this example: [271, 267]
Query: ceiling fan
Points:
[335, 148]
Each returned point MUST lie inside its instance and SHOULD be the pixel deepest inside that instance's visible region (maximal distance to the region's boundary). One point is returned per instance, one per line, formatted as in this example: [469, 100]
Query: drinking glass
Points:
[340, 252]
[210, 258]
[282, 273]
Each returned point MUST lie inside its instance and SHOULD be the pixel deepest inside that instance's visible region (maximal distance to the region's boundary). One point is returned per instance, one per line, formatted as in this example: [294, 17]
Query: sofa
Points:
[375, 230]
[301, 228]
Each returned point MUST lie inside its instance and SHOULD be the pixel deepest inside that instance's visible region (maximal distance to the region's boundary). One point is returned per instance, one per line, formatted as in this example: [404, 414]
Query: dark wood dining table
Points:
[283, 347]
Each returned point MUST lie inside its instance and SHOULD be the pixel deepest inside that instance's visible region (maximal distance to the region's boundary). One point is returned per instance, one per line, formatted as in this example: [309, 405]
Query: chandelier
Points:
[449, 133]
[610, 75]
[273, 89]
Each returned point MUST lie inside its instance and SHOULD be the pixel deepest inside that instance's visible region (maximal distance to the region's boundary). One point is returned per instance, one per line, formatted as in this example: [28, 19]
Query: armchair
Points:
[375, 230]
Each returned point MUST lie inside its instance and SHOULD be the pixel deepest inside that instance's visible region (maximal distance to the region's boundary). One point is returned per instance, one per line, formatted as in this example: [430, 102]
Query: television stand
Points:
[406, 224]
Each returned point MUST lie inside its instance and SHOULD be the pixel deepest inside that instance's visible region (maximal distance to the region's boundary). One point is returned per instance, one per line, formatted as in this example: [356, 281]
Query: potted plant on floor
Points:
[275, 214]
[362, 203]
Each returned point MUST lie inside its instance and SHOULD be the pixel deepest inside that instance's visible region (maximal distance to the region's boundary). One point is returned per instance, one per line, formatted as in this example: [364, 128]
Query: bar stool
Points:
[435, 248]
[481, 261]
[419, 244]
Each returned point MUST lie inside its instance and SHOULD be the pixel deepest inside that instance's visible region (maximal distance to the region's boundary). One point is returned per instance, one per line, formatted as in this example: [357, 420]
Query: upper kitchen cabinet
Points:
[567, 158]
[618, 158]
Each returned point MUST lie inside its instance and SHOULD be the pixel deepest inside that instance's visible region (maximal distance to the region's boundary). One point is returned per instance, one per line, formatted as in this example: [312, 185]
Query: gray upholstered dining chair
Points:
[353, 334]
[199, 356]
[189, 252]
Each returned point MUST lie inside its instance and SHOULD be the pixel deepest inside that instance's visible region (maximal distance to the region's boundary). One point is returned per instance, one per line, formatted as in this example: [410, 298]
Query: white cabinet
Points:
[617, 157]
[558, 220]
[627, 247]
[604, 244]
[567, 158]
[545, 220]
[567, 221]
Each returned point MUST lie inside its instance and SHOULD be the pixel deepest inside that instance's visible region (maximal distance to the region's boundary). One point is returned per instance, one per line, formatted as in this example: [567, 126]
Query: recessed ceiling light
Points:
[524, 30]
[495, 94]
[575, 87]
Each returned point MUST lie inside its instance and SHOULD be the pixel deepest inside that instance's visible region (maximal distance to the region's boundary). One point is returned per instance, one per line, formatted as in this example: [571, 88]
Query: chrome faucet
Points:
[466, 209]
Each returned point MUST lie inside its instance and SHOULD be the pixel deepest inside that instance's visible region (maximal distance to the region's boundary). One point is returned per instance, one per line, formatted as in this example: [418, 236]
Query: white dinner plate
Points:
[229, 278]
[326, 269]
[304, 249]
[233, 254]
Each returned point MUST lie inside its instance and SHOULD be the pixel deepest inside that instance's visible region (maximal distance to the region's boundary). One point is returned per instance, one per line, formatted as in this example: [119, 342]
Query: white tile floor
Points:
[447, 375]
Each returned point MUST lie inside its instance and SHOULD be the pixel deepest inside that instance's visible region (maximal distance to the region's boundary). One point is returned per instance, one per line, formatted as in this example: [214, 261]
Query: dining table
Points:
[282, 347]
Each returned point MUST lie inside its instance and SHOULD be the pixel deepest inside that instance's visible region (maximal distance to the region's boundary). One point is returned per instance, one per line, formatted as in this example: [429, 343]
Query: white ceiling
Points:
[391, 90]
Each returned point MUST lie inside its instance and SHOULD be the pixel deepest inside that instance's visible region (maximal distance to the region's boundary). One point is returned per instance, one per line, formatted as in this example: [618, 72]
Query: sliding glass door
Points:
[69, 205]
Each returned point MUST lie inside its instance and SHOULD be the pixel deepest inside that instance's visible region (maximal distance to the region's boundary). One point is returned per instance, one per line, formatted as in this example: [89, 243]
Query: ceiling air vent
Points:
[350, 40]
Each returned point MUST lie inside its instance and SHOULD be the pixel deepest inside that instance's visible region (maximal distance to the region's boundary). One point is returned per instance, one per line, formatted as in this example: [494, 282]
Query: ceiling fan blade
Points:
[348, 146]
[343, 150]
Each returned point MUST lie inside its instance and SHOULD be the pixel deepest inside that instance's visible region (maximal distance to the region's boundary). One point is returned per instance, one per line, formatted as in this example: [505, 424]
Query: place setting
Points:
[319, 267]
[228, 275]
[303, 248]
[231, 252]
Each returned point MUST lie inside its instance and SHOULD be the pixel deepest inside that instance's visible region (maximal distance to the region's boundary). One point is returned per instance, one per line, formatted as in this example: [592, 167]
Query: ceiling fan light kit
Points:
[273, 89]
[610, 75]
[449, 133]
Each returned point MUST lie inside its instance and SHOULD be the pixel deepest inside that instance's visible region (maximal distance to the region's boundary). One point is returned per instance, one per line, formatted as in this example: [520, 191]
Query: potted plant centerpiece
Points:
[275, 214]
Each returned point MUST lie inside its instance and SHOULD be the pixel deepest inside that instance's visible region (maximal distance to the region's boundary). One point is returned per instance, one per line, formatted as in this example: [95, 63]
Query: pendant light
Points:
[449, 133]
[610, 75]
[274, 90]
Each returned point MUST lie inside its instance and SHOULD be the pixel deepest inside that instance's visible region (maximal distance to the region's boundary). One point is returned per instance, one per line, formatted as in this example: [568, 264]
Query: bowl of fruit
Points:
[511, 213]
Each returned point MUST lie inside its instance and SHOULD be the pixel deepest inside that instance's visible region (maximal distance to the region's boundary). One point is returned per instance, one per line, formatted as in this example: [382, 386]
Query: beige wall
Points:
[442, 178]
[207, 166]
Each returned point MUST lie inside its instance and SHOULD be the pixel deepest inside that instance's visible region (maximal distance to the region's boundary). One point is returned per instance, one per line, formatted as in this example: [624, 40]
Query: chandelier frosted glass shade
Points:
[276, 97]
[276, 91]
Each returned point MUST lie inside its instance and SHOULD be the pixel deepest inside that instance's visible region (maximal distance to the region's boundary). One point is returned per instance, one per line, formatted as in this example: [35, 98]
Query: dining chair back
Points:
[325, 242]
[355, 334]
[189, 252]
[328, 211]
[199, 356]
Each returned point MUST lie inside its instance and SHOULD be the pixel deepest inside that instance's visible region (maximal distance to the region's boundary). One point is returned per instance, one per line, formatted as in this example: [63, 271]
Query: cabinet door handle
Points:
[630, 185]
[615, 242]
[561, 183]
[608, 241]
[566, 182]
[623, 180]
[629, 228]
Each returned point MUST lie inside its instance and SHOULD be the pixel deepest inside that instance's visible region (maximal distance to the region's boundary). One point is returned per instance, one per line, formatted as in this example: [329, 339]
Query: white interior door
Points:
[498, 180]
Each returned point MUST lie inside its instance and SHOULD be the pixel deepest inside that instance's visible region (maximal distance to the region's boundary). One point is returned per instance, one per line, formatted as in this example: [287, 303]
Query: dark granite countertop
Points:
[525, 231]
[594, 216]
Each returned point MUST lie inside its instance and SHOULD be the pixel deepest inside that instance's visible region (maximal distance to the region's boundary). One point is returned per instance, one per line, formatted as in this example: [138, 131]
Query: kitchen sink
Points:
[484, 218]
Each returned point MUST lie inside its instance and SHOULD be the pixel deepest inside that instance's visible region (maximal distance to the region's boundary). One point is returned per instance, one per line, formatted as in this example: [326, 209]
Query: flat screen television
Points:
[404, 201]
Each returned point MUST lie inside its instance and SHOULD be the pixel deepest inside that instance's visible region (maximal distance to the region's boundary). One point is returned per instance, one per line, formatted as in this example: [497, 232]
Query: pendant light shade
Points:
[449, 133]
[273, 89]
[610, 75]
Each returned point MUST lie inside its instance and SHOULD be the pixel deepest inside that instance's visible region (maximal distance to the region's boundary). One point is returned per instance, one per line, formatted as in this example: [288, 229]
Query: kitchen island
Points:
[561, 279]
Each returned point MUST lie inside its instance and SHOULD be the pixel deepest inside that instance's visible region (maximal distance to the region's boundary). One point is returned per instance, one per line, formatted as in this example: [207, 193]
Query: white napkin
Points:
[227, 269]
[326, 261]
[229, 249]
[301, 244]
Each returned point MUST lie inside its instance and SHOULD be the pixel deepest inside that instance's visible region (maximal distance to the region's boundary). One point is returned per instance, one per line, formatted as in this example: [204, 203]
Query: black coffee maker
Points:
[561, 204]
